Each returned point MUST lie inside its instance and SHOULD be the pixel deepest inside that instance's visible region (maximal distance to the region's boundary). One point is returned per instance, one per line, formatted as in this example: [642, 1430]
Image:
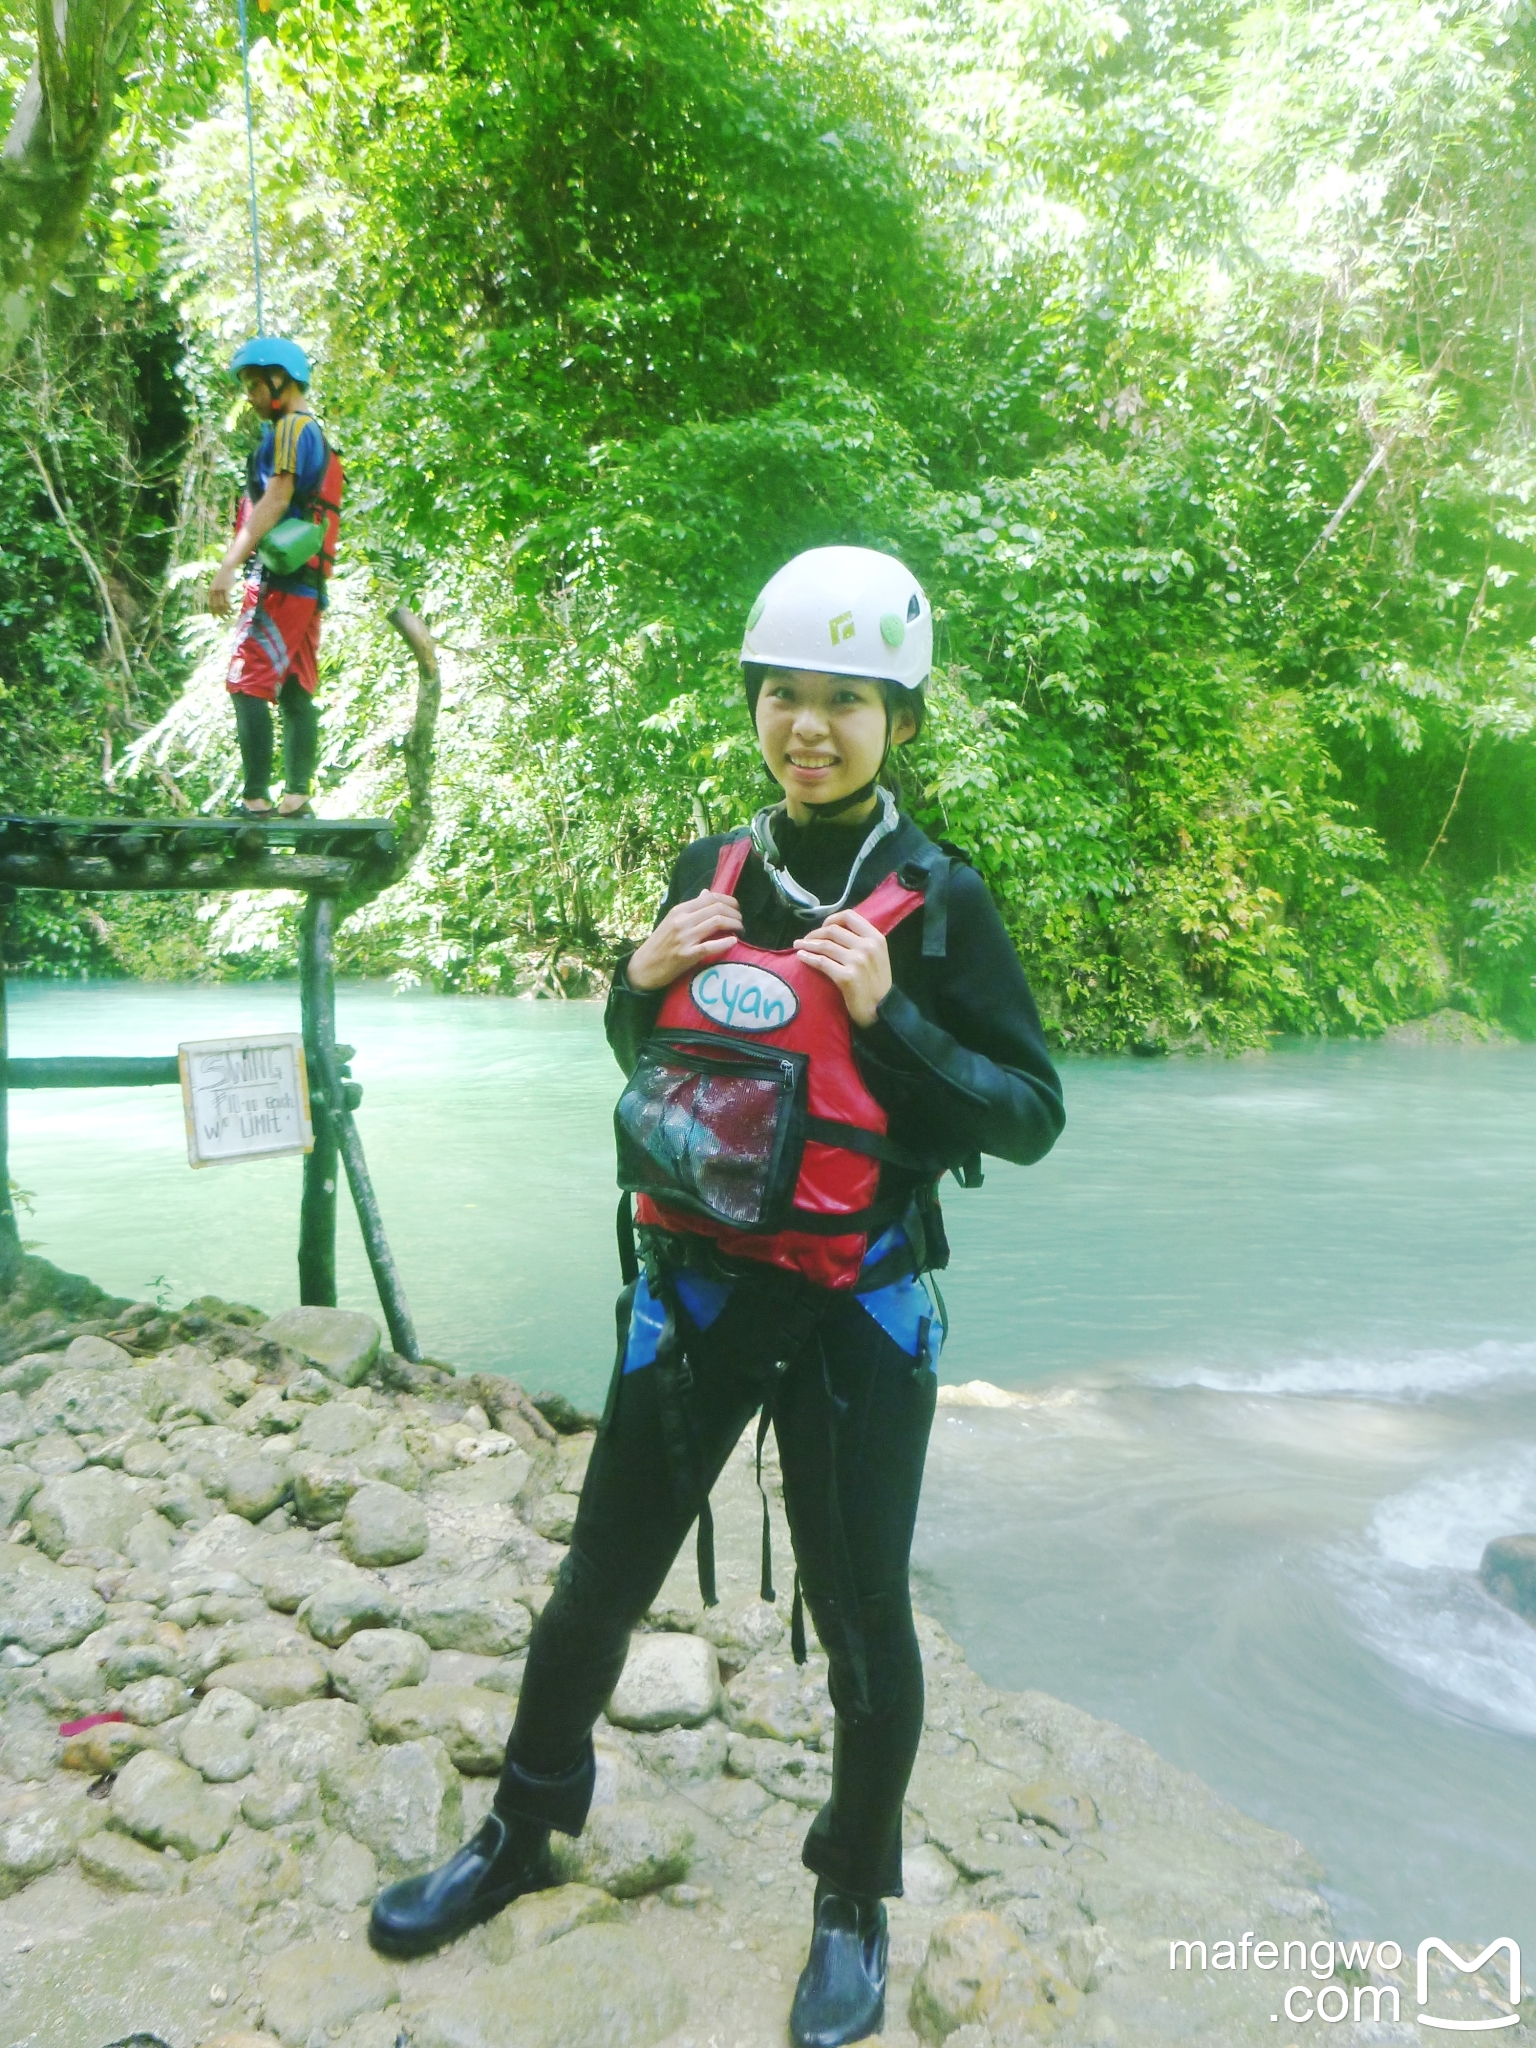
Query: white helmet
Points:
[843, 612]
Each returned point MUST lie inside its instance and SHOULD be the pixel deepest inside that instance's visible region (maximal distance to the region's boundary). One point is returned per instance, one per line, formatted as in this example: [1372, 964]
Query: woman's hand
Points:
[690, 935]
[851, 952]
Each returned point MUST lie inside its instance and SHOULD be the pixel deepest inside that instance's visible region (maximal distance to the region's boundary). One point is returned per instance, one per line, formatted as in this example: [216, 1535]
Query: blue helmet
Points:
[270, 352]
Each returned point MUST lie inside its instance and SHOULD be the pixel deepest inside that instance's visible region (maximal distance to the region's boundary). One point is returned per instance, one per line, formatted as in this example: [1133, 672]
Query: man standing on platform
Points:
[285, 543]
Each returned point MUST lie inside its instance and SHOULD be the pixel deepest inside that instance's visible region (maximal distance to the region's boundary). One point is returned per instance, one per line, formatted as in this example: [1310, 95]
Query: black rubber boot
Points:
[841, 1993]
[506, 1859]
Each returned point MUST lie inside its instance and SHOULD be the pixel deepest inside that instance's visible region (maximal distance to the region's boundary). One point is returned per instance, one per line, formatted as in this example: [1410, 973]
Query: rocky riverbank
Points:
[299, 1572]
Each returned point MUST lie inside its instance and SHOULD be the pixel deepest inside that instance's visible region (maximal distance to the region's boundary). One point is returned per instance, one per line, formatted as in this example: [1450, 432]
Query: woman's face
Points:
[823, 736]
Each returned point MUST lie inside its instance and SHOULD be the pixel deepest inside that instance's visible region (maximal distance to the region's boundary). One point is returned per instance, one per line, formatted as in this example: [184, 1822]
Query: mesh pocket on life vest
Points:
[716, 1126]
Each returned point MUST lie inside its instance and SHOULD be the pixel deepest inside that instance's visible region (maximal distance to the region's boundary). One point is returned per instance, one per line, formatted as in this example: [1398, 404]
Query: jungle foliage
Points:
[1182, 346]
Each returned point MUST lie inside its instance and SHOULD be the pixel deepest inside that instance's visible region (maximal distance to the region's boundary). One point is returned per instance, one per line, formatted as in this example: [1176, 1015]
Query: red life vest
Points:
[746, 1119]
[322, 505]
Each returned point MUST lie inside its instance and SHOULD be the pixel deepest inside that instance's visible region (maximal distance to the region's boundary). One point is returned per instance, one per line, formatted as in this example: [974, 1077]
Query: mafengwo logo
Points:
[1432, 1945]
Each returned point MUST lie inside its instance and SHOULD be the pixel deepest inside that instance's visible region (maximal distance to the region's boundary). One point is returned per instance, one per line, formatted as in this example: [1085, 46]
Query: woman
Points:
[827, 1016]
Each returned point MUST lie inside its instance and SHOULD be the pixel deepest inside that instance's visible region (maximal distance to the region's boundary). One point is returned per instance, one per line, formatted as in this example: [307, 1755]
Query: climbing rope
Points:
[250, 157]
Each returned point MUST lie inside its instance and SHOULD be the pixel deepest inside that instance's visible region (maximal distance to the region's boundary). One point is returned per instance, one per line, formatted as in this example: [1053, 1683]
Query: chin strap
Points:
[794, 893]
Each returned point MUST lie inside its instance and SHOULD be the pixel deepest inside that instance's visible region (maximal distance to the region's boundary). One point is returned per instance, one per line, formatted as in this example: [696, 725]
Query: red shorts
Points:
[278, 636]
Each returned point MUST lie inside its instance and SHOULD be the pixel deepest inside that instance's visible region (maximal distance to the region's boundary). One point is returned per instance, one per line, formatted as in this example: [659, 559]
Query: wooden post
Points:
[10, 1236]
[336, 1132]
[317, 999]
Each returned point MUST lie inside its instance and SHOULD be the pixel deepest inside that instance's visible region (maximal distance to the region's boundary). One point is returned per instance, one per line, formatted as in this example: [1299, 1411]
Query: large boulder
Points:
[776, 1698]
[403, 1803]
[345, 1602]
[629, 1848]
[466, 1614]
[89, 1510]
[1508, 1570]
[342, 1343]
[216, 1739]
[472, 1725]
[312, 1991]
[255, 1483]
[383, 1525]
[164, 1803]
[96, 1401]
[668, 1681]
[337, 1429]
[598, 1987]
[303, 1742]
[378, 1660]
[979, 1972]
[96, 1353]
[37, 1834]
[44, 1606]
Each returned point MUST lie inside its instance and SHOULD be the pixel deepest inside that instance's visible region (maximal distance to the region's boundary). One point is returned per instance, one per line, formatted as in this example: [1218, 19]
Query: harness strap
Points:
[797, 1624]
[704, 1553]
[629, 1260]
[872, 1144]
[766, 1584]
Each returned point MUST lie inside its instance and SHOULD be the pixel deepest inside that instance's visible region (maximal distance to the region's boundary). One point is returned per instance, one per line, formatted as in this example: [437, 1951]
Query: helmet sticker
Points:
[744, 997]
[842, 628]
[892, 630]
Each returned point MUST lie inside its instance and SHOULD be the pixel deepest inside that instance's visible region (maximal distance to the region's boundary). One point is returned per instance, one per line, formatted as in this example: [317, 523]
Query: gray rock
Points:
[15, 1423]
[256, 1484]
[96, 1353]
[927, 1875]
[131, 1650]
[1508, 1570]
[555, 1516]
[277, 1802]
[120, 1864]
[44, 1606]
[322, 1487]
[668, 1681]
[977, 1971]
[463, 1667]
[104, 1403]
[18, 1483]
[55, 1454]
[24, 1375]
[251, 1873]
[305, 1741]
[340, 1342]
[404, 1803]
[686, 1756]
[346, 1602]
[776, 1698]
[119, 1975]
[599, 1987]
[472, 1725]
[37, 1834]
[164, 1803]
[789, 1771]
[277, 1681]
[216, 1740]
[287, 1582]
[347, 1875]
[379, 1660]
[150, 1701]
[90, 1510]
[463, 1614]
[629, 1848]
[741, 1629]
[383, 1525]
[339, 1429]
[106, 1749]
[150, 1541]
[1051, 1803]
[487, 1483]
[388, 1460]
[239, 1641]
[312, 1991]
[539, 1918]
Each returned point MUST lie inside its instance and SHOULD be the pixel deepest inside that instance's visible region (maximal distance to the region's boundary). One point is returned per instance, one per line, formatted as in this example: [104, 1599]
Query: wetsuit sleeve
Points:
[630, 1016]
[975, 1076]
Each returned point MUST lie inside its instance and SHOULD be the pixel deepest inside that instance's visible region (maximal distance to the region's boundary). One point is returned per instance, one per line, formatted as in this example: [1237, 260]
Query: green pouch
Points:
[290, 544]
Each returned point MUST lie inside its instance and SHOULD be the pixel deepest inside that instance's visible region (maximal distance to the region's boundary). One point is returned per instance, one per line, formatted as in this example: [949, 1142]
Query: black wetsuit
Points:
[957, 1058]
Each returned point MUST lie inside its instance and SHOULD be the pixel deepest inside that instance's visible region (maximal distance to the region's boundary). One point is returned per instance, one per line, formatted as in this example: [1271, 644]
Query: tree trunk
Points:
[60, 125]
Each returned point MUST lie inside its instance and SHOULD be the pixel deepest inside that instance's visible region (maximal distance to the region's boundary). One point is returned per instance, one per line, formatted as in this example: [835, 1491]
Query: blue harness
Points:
[904, 1310]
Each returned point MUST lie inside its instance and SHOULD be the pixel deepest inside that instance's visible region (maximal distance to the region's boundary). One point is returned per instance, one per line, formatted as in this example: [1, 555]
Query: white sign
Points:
[744, 997]
[245, 1098]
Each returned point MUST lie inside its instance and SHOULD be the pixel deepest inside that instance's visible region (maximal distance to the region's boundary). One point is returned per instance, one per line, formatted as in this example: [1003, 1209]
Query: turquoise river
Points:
[1277, 1317]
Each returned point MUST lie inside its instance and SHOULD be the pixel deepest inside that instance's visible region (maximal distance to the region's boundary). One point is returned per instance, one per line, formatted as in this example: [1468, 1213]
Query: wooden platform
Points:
[328, 856]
